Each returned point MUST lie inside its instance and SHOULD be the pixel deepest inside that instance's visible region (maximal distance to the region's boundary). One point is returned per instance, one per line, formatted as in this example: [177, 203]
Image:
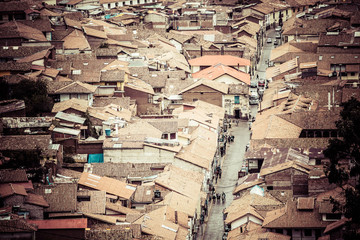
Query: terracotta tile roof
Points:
[76, 87]
[335, 225]
[112, 76]
[202, 148]
[290, 217]
[24, 31]
[74, 223]
[73, 23]
[14, 6]
[305, 203]
[201, 117]
[40, 24]
[94, 33]
[123, 102]
[15, 66]
[283, 68]
[105, 218]
[20, 51]
[274, 127]
[121, 209]
[155, 223]
[286, 165]
[165, 125]
[13, 175]
[76, 40]
[311, 120]
[210, 60]
[74, 103]
[180, 203]
[221, 87]
[247, 185]
[95, 205]
[9, 189]
[61, 196]
[109, 185]
[242, 212]
[139, 85]
[219, 70]
[51, 72]
[187, 183]
[121, 171]
[35, 199]
[16, 225]
[25, 142]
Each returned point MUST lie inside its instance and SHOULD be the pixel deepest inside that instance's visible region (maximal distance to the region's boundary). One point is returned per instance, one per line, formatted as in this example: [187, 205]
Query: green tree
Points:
[34, 93]
[347, 147]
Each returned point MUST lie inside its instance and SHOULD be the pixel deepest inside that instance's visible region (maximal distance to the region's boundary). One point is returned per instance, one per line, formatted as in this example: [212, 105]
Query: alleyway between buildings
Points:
[231, 163]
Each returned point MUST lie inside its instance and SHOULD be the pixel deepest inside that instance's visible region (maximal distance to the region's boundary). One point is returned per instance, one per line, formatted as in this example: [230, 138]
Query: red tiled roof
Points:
[10, 189]
[75, 223]
[35, 199]
[210, 60]
[218, 70]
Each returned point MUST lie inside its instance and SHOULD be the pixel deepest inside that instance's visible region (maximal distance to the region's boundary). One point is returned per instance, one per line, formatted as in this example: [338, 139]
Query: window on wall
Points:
[236, 99]
[172, 135]
[150, 98]
[307, 232]
[109, 6]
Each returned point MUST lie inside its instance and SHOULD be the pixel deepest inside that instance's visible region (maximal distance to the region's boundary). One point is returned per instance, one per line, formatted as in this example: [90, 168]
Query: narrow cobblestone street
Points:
[231, 164]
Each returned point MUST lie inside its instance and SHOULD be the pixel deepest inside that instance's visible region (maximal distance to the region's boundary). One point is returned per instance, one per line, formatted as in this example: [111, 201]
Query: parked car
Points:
[253, 84]
[277, 35]
[269, 40]
[276, 42]
[261, 83]
[254, 98]
[278, 28]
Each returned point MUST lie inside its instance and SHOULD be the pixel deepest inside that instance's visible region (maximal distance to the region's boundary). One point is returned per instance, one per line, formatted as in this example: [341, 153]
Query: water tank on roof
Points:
[107, 132]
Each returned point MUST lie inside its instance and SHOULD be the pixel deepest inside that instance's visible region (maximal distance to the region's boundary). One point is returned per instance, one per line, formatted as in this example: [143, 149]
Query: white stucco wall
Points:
[245, 219]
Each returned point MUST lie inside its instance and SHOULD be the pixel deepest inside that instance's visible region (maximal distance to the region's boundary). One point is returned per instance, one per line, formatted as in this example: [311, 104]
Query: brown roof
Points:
[74, 103]
[112, 76]
[119, 208]
[60, 196]
[8, 189]
[76, 40]
[16, 225]
[280, 167]
[105, 101]
[14, 6]
[40, 24]
[313, 120]
[25, 142]
[94, 33]
[335, 225]
[24, 31]
[76, 87]
[290, 217]
[35, 199]
[13, 175]
[120, 171]
[221, 87]
[305, 203]
[20, 51]
[95, 205]
[144, 193]
[109, 185]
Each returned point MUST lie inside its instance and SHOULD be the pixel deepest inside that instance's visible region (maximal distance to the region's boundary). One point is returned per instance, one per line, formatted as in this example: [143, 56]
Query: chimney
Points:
[176, 217]
[201, 51]
[222, 50]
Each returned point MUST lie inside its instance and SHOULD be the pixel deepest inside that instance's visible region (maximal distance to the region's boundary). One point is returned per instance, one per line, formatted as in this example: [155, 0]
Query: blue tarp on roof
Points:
[96, 158]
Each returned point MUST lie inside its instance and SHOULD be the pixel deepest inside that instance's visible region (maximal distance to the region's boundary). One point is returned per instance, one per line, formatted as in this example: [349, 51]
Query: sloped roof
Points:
[76, 40]
[210, 60]
[94, 33]
[184, 182]
[290, 217]
[109, 185]
[77, 87]
[74, 223]
[282, 68]
[13, 175]
[139, 85]
[241, 212]
[9, 189]
[213, 72]
[77, 104]
[61, 197]
[24, 31]
[282, 166]
[36, 199]
[180, 203]
[221, 87]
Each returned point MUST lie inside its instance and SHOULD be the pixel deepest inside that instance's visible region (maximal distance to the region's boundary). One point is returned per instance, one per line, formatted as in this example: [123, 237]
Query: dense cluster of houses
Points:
[142, 95]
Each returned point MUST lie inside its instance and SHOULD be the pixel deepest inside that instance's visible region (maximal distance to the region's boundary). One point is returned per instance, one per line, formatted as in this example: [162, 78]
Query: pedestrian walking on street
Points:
[223, 197]
[220, 171]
